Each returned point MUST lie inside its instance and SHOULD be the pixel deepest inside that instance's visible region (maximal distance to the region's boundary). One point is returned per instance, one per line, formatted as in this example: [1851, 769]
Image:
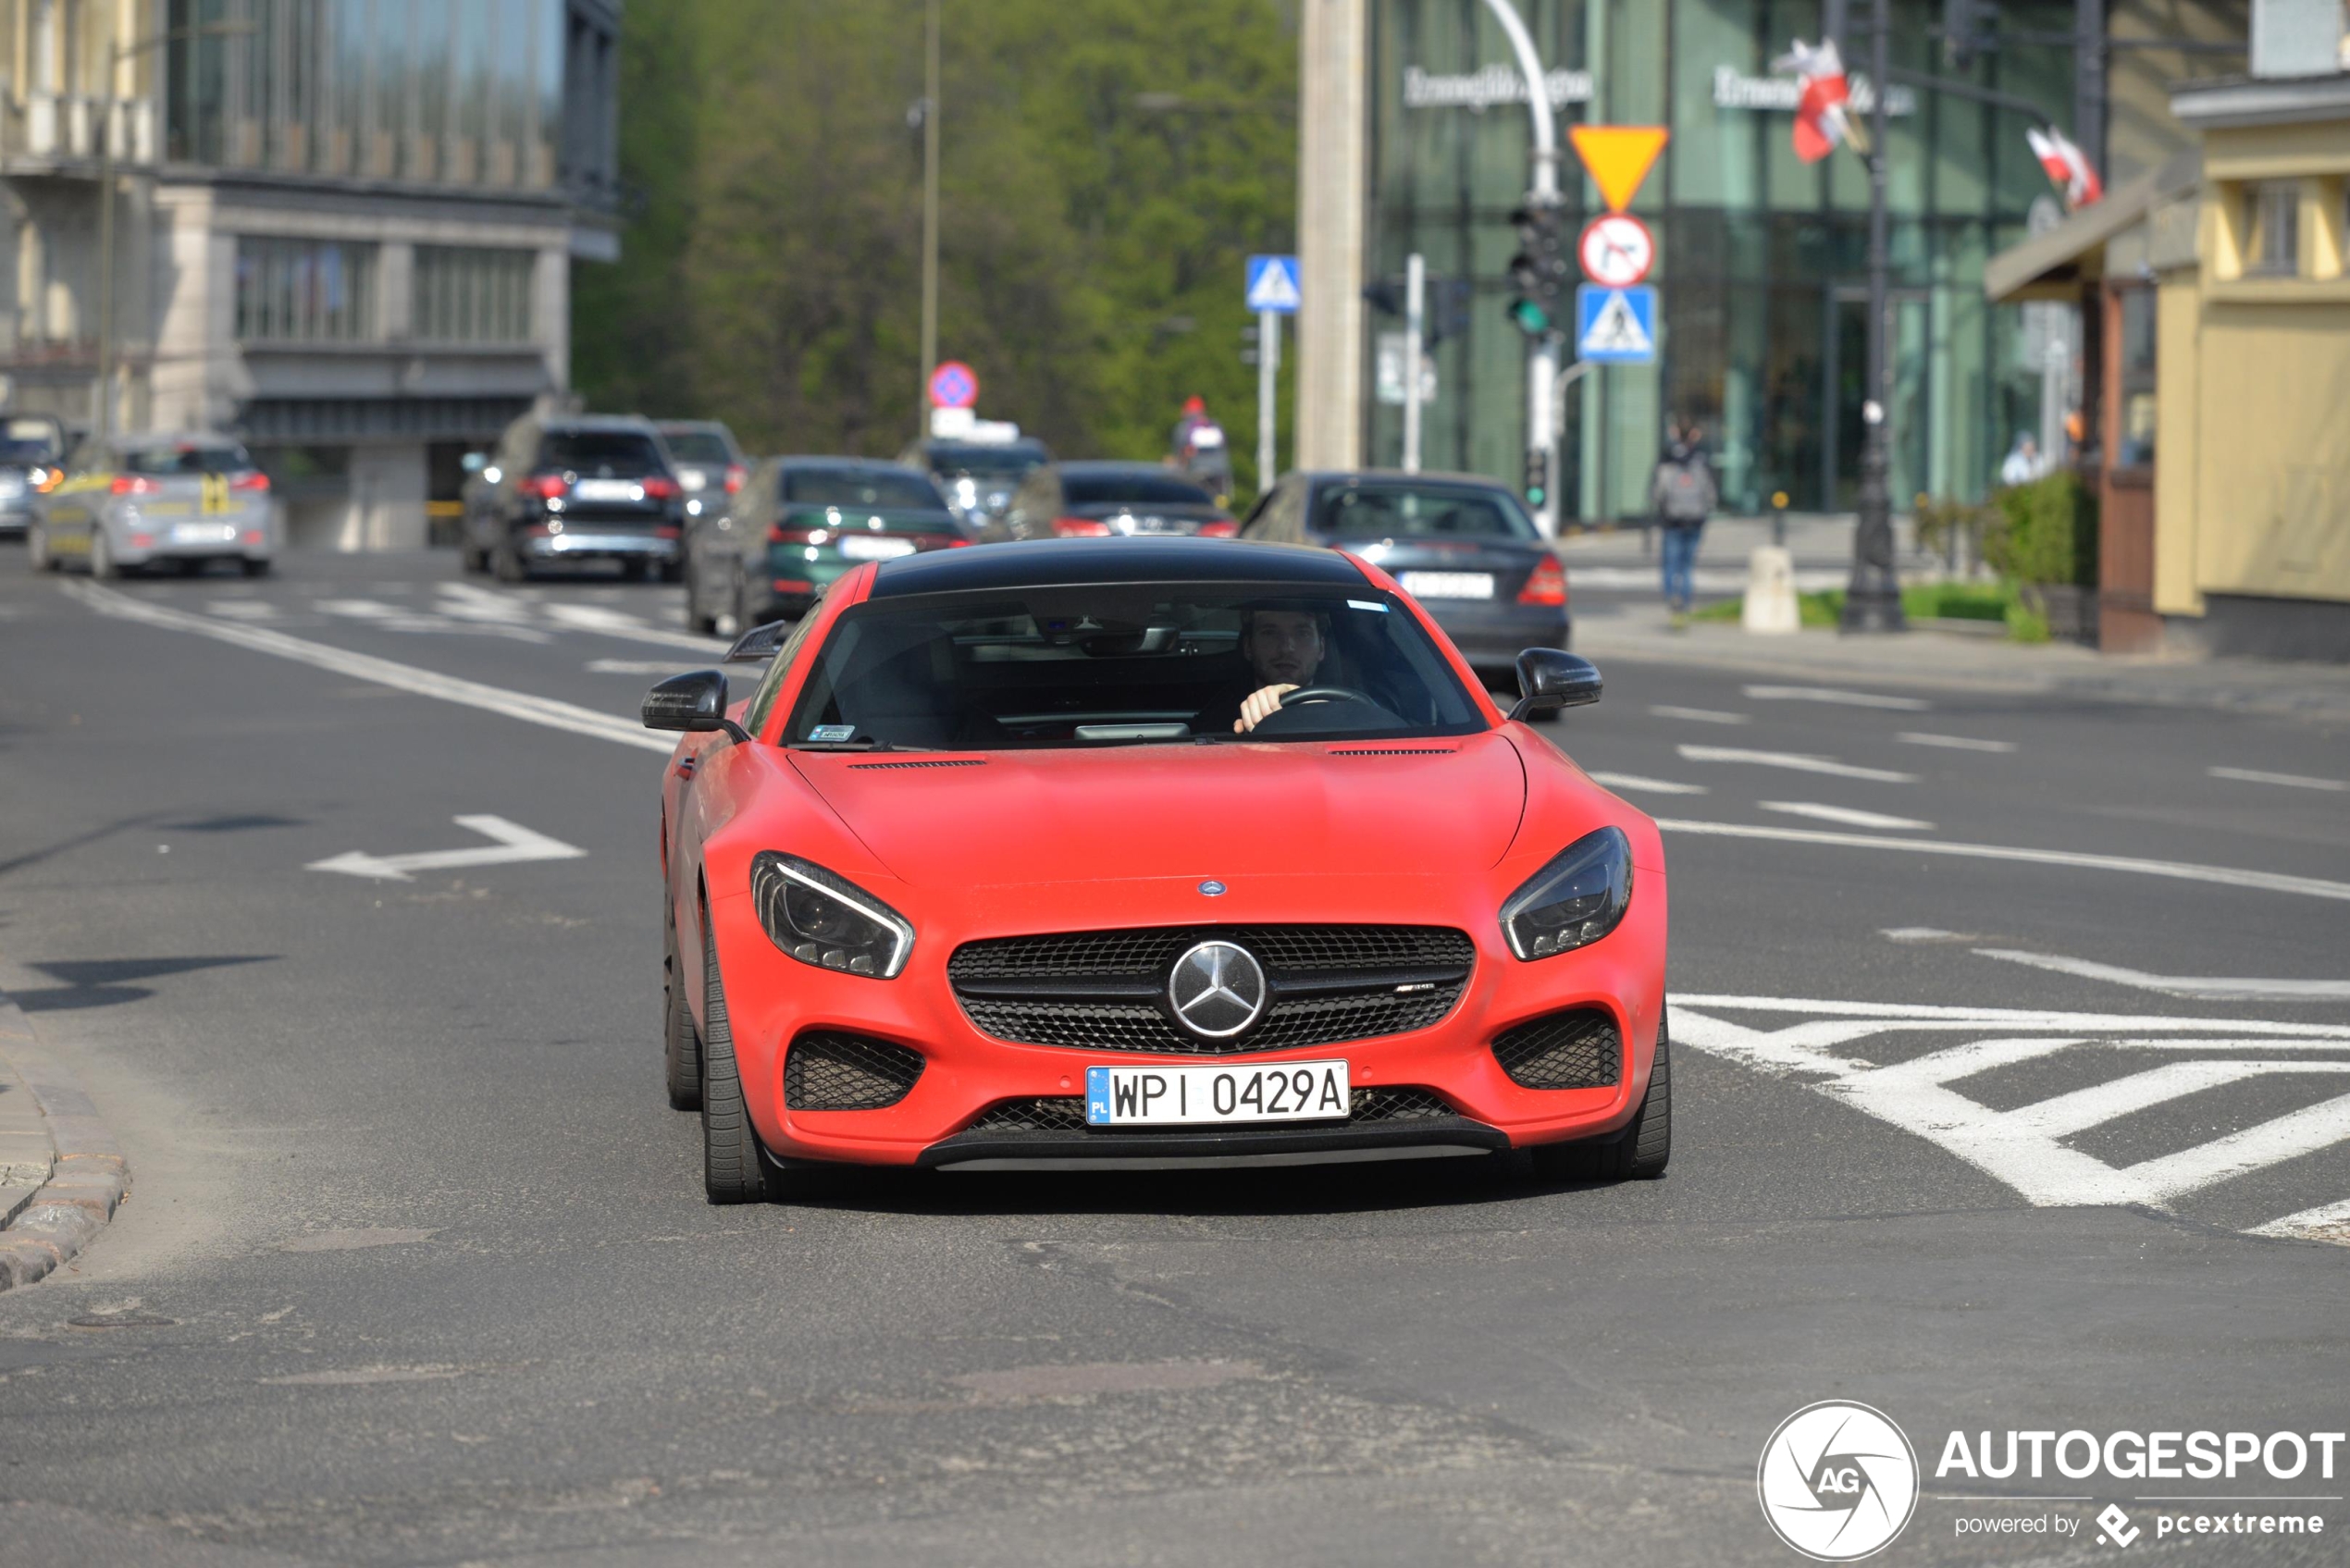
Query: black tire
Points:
[672, 571]
[637, 571]
[681, 1047]
[734, 1167]
[1639, 1153]
[257, 568]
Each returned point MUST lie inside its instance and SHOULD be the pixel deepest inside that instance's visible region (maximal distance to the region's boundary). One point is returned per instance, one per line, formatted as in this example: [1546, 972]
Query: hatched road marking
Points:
[1845, 815]
[1800, 761]
[2025, 1146]
[1838, 697]
[1953, 743]
[1654, 786]
[2200, 988]
[2290, 781]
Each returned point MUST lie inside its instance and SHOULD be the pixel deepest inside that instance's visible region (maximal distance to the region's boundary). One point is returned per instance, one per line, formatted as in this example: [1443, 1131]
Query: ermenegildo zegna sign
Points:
[1480, 90]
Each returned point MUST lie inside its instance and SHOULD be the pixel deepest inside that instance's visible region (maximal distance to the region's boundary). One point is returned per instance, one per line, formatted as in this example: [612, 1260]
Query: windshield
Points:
[1124, 663]
[1421, 512]
[849, 486]
[609, 454]
[986, 463]
[206, 457]
[698, 446]
[1098, 489]
[29, 441]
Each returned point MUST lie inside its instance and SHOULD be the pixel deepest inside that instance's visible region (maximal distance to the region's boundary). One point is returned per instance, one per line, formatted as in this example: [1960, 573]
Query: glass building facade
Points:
[1762, 259]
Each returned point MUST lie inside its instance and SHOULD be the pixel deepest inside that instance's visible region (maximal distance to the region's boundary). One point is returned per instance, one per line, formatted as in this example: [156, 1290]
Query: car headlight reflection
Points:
[1574, 900]
[826, 920]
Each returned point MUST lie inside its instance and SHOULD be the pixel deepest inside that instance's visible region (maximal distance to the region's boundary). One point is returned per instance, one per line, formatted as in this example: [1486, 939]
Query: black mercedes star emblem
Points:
[1217, 990]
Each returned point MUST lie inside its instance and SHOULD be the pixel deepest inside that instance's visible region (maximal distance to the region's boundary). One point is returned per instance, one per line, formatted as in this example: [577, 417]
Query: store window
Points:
[2272, 220]
[296, 290]
[2136, 447]
[470, 294]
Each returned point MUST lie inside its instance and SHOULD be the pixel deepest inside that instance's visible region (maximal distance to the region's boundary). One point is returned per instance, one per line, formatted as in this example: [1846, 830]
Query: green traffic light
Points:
[1534, 495]
[1531, 318]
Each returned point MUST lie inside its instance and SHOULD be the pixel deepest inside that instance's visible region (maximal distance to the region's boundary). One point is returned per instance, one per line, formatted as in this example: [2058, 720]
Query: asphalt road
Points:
[2004, 1025]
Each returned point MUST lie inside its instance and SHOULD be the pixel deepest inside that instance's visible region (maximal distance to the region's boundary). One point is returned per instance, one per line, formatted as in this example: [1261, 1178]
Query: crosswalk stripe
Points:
[1838, 697]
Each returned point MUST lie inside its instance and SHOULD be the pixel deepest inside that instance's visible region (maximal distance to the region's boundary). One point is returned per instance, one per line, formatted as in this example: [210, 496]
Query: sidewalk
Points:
[1623, 559]
[1642, 632]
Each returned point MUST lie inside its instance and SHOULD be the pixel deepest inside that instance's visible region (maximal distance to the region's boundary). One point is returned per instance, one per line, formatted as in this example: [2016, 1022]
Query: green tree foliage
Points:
[1106, 165]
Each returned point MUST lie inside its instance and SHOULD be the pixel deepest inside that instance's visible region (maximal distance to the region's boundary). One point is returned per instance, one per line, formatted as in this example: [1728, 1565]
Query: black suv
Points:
[563, 489]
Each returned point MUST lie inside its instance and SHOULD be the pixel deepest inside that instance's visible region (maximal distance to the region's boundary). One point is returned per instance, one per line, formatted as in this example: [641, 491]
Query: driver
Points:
[1284, 648]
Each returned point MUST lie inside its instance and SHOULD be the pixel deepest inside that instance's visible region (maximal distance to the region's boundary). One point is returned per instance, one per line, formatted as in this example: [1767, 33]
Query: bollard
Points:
[1770, 592]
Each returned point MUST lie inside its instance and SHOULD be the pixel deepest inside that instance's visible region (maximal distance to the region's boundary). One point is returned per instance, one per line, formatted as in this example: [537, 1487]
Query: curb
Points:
[62, 1174]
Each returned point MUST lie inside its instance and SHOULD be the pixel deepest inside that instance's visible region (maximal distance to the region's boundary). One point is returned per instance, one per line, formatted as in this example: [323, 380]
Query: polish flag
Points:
[2068, 167]
[1823, 115]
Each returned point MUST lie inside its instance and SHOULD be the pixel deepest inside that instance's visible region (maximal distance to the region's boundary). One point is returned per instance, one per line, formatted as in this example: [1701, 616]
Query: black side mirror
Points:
[1550, 679]
[693, 702]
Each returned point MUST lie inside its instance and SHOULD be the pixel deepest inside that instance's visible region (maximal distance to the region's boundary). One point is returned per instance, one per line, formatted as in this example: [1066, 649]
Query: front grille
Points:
[1063, 1116]
[1576, 1049]
[1106, 991]
[848, 1072]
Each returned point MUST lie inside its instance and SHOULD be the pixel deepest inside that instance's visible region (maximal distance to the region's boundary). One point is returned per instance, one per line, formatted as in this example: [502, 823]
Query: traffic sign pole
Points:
[1268, 367]
[1415, 341]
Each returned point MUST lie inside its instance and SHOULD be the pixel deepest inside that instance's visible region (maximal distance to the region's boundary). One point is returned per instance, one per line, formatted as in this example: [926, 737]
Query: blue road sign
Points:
[1615, 326]
[1272, 284]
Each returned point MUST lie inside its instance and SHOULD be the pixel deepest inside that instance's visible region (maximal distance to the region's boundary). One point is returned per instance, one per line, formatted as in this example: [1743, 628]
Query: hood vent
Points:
[1396, 751]
[941, 762]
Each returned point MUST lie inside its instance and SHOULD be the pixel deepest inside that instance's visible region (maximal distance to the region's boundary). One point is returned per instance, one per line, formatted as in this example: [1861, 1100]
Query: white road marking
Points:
[2325, 1216]
[1921, 933]
[2290, 781]
[1800, 761]
[399, 618]
[382, 671]
[1699, 715]
[244, 609]
[638, 666]
[616, 623]
[1654, 786]
[512, 843]
[2023, 1147]
[2223, 876]
[2200, 988]
[468, 602]
[1845, 814]
[1953, 743]
[1840, 698]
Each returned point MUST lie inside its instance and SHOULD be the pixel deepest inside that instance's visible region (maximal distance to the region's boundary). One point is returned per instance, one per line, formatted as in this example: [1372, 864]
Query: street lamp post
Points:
[1542, 359]
[929, 203]
[1872, 596]
[117, 53]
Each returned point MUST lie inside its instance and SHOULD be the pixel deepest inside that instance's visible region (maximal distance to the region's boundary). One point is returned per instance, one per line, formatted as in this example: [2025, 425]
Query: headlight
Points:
[826, 920]
[1574, 900]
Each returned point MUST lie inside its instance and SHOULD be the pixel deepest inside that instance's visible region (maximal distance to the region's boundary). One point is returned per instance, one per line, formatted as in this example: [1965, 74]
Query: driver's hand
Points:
[1260, 704]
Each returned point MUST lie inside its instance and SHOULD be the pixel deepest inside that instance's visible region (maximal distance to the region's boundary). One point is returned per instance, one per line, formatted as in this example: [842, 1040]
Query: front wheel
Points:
[733, 1165]
[681, 1047]
[1639, 1153]
[103, 566]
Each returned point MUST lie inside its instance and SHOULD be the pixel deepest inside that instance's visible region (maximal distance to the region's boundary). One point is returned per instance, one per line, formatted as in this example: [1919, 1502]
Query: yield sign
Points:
[1619, 157]
[512, 843]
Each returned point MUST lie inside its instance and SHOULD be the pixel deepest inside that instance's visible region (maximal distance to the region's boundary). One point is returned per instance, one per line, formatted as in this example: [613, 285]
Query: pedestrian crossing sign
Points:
[1272, 284]
[1615, 326]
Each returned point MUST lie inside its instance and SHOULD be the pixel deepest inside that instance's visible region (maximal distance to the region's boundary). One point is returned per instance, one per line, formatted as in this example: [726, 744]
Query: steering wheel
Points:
[1324, 694]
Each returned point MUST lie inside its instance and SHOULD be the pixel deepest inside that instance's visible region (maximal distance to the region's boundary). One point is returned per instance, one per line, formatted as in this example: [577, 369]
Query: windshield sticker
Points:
[1365, 604]
[830, 734]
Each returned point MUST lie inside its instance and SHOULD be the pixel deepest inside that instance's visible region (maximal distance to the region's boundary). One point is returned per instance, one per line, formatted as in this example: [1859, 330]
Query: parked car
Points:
[1462, 545]
[977, 477]
[709, 462]
[184, 500]
[800, 523]
[1069, 500]
[566, 489]
[32, 448]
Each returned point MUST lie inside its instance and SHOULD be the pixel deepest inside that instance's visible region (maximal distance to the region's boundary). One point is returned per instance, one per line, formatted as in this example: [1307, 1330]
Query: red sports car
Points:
[1158, 853]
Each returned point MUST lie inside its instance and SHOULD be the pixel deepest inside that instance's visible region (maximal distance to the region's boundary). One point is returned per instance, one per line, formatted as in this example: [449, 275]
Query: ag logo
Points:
[1838, 1481]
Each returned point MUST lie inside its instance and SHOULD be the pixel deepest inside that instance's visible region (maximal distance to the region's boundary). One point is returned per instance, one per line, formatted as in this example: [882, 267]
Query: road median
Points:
[62, 1172]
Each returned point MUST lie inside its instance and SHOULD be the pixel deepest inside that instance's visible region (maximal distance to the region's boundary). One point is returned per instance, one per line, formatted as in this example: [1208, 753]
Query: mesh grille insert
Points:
[1375, 980]
[1063, 1116]
[1576, 1049]
[942, 762]
[848, 1072]
[1396, 751]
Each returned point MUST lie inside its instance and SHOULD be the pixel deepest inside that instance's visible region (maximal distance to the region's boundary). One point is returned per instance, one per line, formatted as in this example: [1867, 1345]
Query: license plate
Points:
[1190, 1096]
[607, 490]
[204, 533]
[875, 546]
[1448, 585]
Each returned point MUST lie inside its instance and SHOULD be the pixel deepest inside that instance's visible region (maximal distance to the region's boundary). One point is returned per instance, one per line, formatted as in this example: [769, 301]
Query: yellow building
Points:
[2218, 288]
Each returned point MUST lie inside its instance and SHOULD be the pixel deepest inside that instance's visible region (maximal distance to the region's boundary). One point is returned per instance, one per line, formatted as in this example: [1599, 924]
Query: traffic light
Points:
[1540, 273]
[1537, 477]
[1248, 344]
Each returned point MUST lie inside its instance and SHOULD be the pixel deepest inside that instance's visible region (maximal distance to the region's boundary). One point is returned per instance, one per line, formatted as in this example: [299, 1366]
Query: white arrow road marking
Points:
[2200, 988]
[1654, 786]
[2022, 1146]
[383, 671]
[2224, 876]
[513, 843]
[1800, 761]
[1840, 698]
[1953, 743]
[2290, 781]
[1845, 814]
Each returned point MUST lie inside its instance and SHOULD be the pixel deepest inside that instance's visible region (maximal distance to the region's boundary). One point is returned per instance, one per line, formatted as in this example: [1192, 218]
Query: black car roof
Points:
[1066, 562]
[854, 464]
[1097, 467]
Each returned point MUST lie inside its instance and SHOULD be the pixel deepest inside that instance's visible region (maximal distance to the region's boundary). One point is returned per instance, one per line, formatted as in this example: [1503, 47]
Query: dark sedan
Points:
[1076, 500]
[1462, 545]
[571, 489]
[797, 525]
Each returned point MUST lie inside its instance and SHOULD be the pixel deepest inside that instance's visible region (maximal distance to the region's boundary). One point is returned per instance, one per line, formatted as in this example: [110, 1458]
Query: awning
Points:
[2055, 257]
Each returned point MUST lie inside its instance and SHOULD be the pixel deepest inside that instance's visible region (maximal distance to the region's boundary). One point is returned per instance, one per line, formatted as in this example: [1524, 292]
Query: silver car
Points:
[136, 501]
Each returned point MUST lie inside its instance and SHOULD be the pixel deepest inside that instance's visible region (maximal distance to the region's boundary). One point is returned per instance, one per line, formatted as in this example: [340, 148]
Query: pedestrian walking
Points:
[1681, 496]
[2022, 464]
